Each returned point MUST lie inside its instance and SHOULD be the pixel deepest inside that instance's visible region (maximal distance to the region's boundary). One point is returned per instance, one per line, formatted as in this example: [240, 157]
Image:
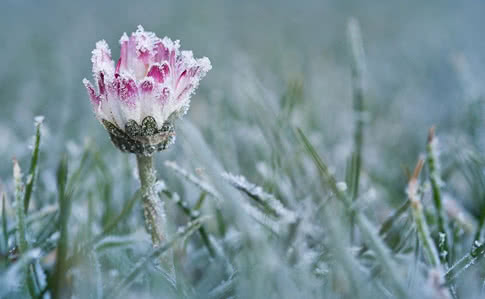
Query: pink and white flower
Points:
[149, 86]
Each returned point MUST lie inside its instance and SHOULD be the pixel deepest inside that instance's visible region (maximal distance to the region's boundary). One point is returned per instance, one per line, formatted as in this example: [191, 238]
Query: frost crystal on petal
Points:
[101, 58]
[145, 40]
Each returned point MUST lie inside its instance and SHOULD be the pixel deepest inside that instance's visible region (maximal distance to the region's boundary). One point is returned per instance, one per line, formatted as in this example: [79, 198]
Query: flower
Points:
[138, 99]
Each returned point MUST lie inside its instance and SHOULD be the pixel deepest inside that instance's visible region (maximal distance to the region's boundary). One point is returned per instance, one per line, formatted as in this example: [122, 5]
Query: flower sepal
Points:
[141, 139]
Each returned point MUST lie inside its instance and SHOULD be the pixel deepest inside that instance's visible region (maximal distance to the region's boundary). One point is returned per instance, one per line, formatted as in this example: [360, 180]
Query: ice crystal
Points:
[257, 193]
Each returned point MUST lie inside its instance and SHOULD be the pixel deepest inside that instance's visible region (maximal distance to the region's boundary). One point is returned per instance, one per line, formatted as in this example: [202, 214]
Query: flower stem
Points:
[155, 221]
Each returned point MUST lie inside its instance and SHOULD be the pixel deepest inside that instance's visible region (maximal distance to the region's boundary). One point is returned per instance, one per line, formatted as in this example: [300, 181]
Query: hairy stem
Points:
[153, 211]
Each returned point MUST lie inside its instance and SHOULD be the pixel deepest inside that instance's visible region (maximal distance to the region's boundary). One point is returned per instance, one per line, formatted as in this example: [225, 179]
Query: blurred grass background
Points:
[277, 65]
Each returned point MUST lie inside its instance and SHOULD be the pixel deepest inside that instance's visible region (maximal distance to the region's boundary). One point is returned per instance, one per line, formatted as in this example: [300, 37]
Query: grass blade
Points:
[22, 244]
[389, 222]
[358, 69]
[202, 185]
[57, 281]
[4, 221]
[435, 180]
[36, 216]
[266, 201]
[225, 289]
[33, 164]
[194, 214]
[465, 262]
[419, 218]
[20, 215]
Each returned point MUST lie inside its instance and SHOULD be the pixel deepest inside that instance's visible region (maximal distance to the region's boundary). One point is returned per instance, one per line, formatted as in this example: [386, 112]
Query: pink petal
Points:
[146, 86]
[144, 56]
[101, 58]
[127, 54]
[95, 99]
[184, 92]
[159, 72]
[180, 78]
[113, 86]
[101, 84]
[127, 90]
[131, 59]
[161, 53]
[164, 95]
[118, 65]
[145, 41]
[166, 50]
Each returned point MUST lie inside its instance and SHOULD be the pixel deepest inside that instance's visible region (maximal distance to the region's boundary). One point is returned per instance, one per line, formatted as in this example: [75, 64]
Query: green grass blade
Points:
[33, 164]
[76, 174]
[193, 214]
[465, 262]
[36, 216]
[224, 290]
[4, 221]
[200, 201]
[328, 179]
[20, 215]
[389, 222]
[202, 185]
[419, 218]
[267, 202]
[57, 281]
[21, 236]
[435, 180]
[358, 70]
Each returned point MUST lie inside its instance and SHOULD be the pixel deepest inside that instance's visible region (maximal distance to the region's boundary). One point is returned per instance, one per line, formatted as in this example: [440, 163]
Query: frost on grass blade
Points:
[33, 162]
[262, 218]
[465, 262]
[202, 185]
[266, 201]
[36, 216]
[4, 221]
[224, 289]
[116, 242]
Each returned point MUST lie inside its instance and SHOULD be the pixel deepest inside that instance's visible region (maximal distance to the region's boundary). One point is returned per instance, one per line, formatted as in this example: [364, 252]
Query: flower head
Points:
[138, 99]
